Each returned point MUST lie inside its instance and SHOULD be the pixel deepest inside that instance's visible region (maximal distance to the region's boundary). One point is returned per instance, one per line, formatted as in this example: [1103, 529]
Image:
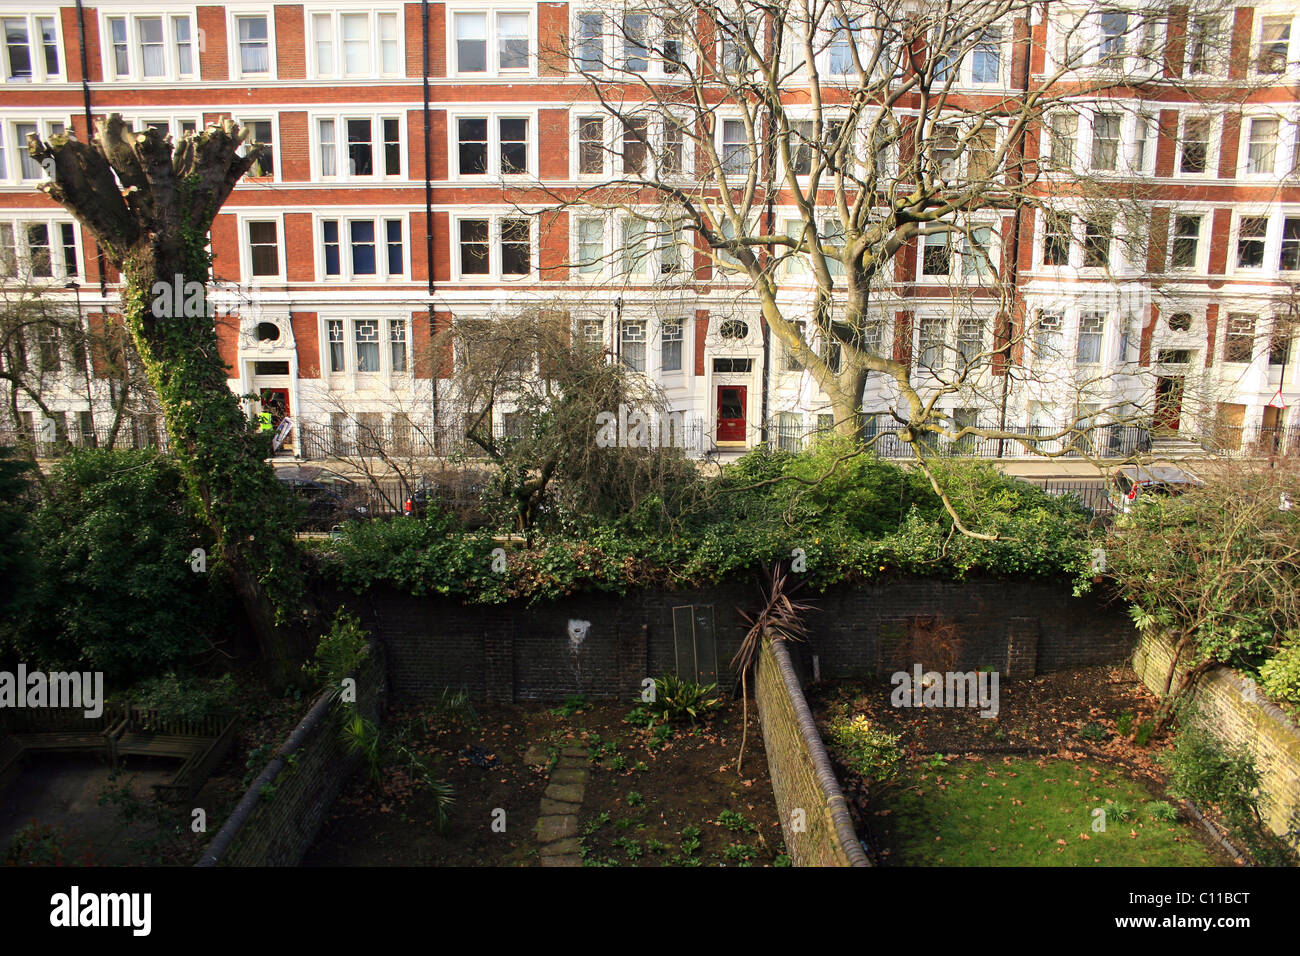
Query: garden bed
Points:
[647, 791]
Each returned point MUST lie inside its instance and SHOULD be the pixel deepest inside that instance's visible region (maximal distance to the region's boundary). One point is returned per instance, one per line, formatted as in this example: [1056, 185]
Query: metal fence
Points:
[1257, 441]
[57, 442]
[1106, 441]
[1092, 494]
[407, 440]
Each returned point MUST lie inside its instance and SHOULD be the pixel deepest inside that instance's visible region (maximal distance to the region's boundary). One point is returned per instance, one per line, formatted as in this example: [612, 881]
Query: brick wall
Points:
[1223, 698]
[814, 817]
[515, 652]
[277, 830]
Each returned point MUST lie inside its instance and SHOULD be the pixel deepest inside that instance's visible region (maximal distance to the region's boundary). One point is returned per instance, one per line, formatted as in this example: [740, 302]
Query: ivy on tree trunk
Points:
[149, 204]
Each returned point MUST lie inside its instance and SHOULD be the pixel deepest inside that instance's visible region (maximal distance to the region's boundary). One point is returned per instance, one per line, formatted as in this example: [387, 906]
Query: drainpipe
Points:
[90, 125]
[428, 202]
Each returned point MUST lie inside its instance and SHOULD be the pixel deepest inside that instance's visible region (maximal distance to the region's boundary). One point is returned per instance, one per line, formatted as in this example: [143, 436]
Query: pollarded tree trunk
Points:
[152, 222]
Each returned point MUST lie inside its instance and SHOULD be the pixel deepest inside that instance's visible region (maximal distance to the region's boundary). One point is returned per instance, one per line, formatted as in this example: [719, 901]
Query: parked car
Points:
[1132, 481]
[329, 498]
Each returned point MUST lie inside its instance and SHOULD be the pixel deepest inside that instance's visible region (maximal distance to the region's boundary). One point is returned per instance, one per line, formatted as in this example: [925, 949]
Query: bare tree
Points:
[825, 162]
[558, 422]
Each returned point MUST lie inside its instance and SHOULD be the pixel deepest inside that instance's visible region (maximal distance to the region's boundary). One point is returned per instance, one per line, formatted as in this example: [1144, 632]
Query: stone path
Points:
[557, 826]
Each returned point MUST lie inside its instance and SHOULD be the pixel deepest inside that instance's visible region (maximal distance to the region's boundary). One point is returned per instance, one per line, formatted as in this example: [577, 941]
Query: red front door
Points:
[731, 413]
[1169, 403]
[276, 401]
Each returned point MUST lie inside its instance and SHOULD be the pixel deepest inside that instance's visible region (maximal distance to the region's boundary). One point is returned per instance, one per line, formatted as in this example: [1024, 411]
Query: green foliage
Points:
[1217, 565]
[868, 751]
[740, 853]
[362, 736]
[1280, 675]
[634, 798]
[18, 571]
[339, 652]
[1162, 811]
[782, 860]
[735, 822]
[857, 519]
[573, 704]
[1124, 724]
[1209, 772]
[40, 844]
[185, 698]
[690, 840]
[1144, 733]
[632, 848]
[679, 700]
[1121, 811]
[1092, 731]
[115, 590]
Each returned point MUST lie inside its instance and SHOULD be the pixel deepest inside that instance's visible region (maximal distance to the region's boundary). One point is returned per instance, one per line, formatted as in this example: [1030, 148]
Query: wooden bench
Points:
[61, 740]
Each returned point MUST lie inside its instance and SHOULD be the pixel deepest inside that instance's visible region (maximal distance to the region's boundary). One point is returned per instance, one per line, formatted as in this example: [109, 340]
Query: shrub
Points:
[868, 751]
[1280, 675]
[1206, 771]
[678, 700]
[340, 652]
[115, 590]
[185, 698]
[37, 844]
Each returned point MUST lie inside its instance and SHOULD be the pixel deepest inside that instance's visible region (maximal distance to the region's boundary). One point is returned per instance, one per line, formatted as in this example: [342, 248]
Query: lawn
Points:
[1007, 811]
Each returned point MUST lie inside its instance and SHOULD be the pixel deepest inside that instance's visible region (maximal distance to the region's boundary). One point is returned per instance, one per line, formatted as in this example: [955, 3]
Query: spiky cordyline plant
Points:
[780, 619]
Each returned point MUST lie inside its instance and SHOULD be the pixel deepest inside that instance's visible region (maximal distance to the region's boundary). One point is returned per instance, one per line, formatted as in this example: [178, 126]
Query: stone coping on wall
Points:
[814, 814]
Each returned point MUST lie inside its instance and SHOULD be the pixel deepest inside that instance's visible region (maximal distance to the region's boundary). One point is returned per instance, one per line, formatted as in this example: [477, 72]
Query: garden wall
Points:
[1227, 701]
[814, 817]
[277, 830]
[604, 645]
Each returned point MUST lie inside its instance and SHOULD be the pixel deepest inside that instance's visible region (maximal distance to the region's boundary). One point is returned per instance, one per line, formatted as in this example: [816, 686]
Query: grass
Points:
[1016, 812]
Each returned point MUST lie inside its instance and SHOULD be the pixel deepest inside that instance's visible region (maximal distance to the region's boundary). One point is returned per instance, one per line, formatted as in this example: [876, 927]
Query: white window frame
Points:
[378, 157]
[273, 118]
[350, 373]
[829, 115]
[36, 47]
[1280, 152]
[493, 118]
[1201, 264]
[660, 327]
[494, 274]
[965, 67]
[344, 217]
[135, 61]
[374, 40]
[1214, 59]
[734, 178]
[491, 14]
[13, 150]
[246, 250]
[1263, 13]
[1272, 240]
[54, 224]
[233, 17]
[1212, 147]
[575, 256]
[1087, 34]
